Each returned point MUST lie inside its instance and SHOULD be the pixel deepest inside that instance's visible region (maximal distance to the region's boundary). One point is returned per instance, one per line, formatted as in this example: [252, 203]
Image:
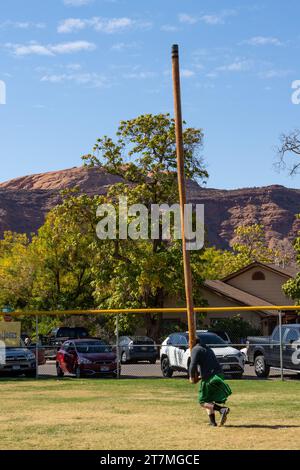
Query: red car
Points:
[86, 357]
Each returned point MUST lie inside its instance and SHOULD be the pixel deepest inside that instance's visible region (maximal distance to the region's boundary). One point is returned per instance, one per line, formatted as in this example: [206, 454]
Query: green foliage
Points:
[249, 245]
[144, 273]
[236, 327]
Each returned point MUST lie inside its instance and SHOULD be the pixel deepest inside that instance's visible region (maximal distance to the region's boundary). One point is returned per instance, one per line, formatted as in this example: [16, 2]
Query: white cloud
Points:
[70, 25]
[73, 66]
[28, 49]
[83, 78]
[275, 73]
[50, 49]
[140, 75]
[121, 46]
[21, 25]
[77, 3]
[263, 41]
[104, 25]
[210, 19]
[187, 73]
[188, 19]
[168, 28]
[236, 66]
[212, 75]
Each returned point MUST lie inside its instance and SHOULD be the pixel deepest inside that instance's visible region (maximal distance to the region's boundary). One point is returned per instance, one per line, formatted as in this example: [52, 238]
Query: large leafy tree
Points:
[65, 247]
[144, 273]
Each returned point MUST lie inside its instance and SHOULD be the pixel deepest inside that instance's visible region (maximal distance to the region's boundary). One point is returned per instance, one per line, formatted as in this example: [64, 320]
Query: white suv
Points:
[175, 354]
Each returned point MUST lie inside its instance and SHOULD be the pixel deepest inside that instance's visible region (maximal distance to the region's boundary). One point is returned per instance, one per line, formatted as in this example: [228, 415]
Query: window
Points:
[292, 335]
[276, 334]
[258, 276]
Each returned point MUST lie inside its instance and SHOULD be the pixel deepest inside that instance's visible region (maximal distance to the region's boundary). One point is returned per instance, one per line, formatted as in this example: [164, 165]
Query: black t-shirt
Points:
[205, 358]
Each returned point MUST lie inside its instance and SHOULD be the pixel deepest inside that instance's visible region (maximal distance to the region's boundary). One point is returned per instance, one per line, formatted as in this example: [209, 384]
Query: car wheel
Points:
[124, 357]
[31, 374]
[78, 372]
[59, 371]
[165, 368]
[261, 368]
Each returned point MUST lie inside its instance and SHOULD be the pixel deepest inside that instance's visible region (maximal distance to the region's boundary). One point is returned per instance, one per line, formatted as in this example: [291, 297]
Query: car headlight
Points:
[84, 360]
[30, 356]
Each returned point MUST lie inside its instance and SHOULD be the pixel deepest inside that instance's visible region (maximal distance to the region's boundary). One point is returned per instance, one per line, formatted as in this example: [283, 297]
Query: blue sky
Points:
[74, 68]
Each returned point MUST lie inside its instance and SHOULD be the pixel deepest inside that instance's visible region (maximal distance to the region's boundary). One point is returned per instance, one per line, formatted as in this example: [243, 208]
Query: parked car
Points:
[264, 351]
[41, 353]
[86, 357]
[137, 348]
[18, 361]
[57, 336]
[245, 352]
[223, 334]
[32, 347]
[175, 354]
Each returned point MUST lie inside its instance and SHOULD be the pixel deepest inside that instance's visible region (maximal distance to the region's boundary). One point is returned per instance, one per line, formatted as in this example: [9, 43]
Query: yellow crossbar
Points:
[159, 310]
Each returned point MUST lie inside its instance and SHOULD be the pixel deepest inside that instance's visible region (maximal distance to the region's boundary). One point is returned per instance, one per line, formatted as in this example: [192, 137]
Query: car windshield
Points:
[72, 332]
[212, 340]
[93, 347]
[142, 340]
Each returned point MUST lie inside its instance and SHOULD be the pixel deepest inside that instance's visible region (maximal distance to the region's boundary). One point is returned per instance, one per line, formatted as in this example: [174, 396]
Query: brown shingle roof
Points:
[238, 295]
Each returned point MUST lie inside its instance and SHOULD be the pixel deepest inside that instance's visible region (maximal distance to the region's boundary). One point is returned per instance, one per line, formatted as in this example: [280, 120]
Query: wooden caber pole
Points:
[182, 196]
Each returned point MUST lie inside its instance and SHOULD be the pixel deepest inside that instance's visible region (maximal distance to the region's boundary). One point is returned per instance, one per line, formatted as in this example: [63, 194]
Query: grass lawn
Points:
[144, 414]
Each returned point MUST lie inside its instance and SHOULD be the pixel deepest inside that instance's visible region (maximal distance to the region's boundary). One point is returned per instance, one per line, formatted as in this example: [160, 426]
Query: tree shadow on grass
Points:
[262, 426]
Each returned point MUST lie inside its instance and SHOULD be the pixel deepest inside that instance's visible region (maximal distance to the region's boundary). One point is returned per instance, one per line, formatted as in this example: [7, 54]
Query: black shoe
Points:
[213, 424]
[224, 413]
[212, 420]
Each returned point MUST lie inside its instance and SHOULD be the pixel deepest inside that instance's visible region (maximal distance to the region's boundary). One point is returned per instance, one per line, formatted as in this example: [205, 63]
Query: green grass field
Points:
[144, 414]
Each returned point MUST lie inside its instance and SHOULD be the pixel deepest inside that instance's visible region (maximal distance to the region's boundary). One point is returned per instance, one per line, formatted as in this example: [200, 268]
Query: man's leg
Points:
[224, 410]
[211, 413]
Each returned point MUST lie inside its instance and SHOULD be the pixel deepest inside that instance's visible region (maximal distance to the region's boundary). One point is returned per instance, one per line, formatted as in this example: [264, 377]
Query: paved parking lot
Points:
[153, 371]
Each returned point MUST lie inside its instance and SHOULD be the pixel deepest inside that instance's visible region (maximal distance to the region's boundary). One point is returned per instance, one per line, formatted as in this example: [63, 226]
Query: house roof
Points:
[287, 272]
[237, 295]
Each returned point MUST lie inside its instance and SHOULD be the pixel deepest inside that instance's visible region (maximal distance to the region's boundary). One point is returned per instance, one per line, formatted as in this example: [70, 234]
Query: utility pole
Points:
[182, 195]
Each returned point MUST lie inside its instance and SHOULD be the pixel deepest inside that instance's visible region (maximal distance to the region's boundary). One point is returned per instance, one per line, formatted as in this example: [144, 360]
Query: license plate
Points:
[226, 367]
[104, 369]
[144, 348]
[16, 367]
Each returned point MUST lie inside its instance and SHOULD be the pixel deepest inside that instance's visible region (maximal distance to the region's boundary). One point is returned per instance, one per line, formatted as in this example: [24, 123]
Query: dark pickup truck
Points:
[264, 351]
[57, 336]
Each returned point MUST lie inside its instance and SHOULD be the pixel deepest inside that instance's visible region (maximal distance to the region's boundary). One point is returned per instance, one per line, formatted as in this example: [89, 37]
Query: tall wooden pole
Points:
[182, 196]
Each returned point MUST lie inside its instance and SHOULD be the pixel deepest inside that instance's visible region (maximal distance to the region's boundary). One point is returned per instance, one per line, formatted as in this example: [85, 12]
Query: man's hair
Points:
[200, 342]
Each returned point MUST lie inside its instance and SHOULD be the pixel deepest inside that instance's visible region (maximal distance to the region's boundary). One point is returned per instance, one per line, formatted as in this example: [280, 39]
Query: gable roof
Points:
[237, 295]
[288, 272]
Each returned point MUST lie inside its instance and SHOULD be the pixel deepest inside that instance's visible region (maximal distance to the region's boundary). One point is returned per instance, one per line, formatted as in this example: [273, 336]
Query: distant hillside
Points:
[25, 201]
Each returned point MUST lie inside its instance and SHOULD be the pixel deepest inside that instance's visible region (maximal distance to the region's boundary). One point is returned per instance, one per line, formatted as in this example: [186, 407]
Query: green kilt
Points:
[214, 389]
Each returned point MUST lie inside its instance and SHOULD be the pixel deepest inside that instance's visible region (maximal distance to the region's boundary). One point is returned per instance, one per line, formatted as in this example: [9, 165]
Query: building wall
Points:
[269, 289]
[215, 300]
